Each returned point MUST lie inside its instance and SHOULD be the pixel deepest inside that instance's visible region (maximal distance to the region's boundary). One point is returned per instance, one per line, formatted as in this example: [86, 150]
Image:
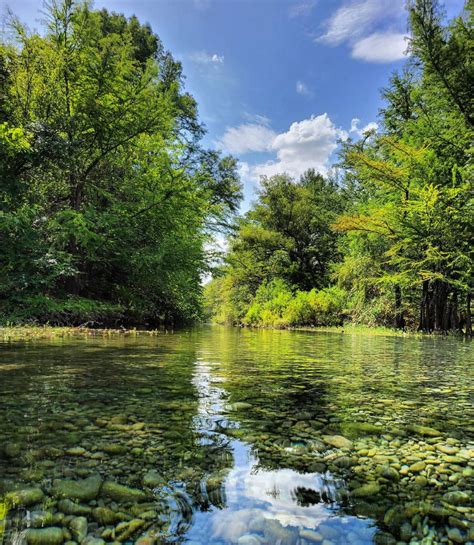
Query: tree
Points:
[117, 193]
[284, 240]
[419, 176]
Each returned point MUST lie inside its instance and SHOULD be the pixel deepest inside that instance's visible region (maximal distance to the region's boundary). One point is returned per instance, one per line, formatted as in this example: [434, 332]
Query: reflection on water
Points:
[278, 504]
[221, 436]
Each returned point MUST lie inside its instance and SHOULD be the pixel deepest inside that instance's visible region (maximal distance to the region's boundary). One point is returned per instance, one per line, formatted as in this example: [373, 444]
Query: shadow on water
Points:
[221, 436]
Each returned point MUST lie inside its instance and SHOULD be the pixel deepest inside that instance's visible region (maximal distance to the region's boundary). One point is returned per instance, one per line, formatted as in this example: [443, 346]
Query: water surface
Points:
[225, 436]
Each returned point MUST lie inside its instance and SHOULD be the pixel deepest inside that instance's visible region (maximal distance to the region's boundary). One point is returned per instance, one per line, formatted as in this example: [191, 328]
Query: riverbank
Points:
[20, 333]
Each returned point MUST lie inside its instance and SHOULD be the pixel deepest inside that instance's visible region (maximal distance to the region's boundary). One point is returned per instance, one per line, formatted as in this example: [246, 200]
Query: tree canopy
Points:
[394, 236]
[107, 197]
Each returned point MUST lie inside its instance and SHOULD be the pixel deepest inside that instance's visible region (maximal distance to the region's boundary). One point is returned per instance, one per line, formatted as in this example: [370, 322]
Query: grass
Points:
[17, 333]
[357, 329]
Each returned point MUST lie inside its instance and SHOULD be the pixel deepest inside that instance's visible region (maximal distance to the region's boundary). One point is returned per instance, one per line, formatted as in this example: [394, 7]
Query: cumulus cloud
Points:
[380, 47]
[302, 88]
[358, 23]
[306, 144]
[246, 138]
[201, 57]
[372, 126]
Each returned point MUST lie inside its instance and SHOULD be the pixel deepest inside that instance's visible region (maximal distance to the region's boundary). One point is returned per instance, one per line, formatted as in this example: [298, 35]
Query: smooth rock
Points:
[366, 491]
[44, 536]
[84, 490]
[93, 540]
[455, 535]
[131, 527]
[153, 479]
[390, 474]
[417, 466]
[70, 507]
[78, 526]
[12, 450]
[424, 430]
[337, 441]
[26, 497]
[456, 498]
[105, 516]
[121, 493]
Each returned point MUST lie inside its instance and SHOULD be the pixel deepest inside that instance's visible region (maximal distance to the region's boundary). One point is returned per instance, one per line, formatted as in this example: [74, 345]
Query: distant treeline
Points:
[107, 199]
[388, 239]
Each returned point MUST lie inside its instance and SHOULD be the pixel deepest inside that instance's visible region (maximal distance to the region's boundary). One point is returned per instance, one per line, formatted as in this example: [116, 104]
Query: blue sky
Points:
[278, 82]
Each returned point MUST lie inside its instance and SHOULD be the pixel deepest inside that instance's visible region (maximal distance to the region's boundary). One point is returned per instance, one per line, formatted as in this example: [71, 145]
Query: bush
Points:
[274, 305]
[69, 311]
[269, 305]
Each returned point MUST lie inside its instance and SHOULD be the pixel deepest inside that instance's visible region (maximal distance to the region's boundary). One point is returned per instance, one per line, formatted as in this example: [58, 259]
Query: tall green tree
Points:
[111, 182]
[418, 173]
[286, 236]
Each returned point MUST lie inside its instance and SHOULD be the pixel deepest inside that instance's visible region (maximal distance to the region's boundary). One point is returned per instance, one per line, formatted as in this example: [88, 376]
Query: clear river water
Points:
[225, 436]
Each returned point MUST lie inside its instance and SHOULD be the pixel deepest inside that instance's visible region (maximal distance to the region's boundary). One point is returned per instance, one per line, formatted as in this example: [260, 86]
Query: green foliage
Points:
[71, 311]
[106, 192]
[395, 237]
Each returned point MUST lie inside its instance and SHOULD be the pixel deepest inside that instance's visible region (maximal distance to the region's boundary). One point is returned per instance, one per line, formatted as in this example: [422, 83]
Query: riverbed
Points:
[226, 436]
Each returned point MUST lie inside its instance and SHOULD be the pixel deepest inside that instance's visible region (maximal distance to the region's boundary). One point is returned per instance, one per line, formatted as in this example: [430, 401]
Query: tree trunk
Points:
[455, 312]
[468, 316]
[424, 307]
[399, 319]
[440, 305]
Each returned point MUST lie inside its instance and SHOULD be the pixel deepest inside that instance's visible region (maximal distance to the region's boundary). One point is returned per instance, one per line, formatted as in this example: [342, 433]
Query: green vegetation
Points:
[29, 333]
[107, 198]
[390, 241]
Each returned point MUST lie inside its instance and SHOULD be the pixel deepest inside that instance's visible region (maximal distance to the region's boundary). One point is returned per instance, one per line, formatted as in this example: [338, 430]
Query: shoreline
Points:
[26, 332]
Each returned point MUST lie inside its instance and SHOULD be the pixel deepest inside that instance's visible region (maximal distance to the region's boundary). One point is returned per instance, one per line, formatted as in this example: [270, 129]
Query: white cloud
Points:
[355, 18]
[302, 88]
[302, 9]
[306, 144]
[256, 118]
[380, 47]
[358, 23]
[246, 138]
[201, 57]
[372, 126]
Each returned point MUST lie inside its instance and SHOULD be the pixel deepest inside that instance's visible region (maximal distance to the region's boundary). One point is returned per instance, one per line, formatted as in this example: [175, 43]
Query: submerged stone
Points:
[457, 498]
[12, 450]
[130, 528]
[426, 431]
[26, 497]
[366, 491]
[44, 536]
[105, 516]
[239, 406]
[417, 466]
[390, 473]
[337, 441]
[153, 479]
[454, 534]
[121, 493]
[84, 490]
[78, 526]
[70, 507]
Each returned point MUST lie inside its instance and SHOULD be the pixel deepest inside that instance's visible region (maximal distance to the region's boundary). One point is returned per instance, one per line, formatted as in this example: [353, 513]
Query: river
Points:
[226, 436]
